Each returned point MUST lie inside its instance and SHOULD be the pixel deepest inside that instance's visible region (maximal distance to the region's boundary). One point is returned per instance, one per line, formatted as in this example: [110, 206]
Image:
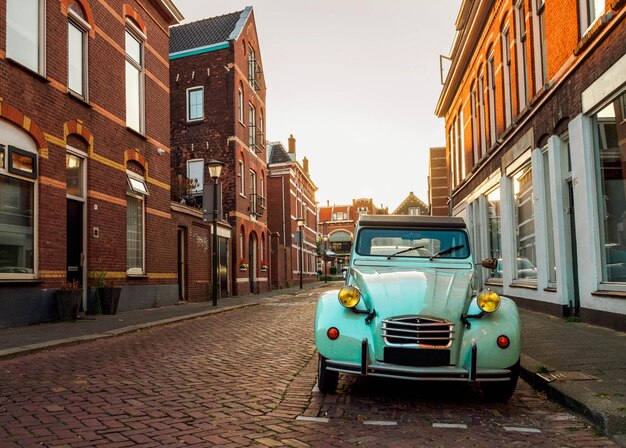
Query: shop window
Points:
[494, 214]
[524, 222]
[610, 153]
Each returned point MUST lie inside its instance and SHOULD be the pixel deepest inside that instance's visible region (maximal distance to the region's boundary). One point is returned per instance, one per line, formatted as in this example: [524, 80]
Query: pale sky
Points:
[356, 82]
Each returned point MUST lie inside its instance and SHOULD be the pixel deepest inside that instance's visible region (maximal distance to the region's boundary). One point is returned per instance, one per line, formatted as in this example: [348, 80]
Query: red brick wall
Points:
[46, 102]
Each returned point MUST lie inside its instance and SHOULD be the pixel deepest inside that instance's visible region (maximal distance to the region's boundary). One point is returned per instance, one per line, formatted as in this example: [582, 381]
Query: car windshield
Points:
[412, 243]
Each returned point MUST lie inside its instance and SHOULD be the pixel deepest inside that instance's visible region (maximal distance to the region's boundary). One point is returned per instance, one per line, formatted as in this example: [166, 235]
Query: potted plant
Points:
[264, 266]
[97, 281]
[243, 264]
[108, 295]
[69, 297]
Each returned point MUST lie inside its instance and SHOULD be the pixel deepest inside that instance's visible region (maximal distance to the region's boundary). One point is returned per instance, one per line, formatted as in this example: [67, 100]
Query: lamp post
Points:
[300, 222]
[215, 169]
[325, 238]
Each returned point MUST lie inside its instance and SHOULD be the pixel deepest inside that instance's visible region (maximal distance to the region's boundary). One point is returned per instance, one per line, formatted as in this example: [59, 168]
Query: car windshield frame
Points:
[413, 237]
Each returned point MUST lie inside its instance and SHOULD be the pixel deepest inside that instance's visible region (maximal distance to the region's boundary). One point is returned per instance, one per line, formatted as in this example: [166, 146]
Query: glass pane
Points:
[17, 249]
[133, 48]
[23, 32]
[133, 108]
[195, 173]
[495, 246]
[75, 59]
[138, 186]
[134, 233]
[611, 157]
[549, 228]
[195, 104]
[74, 175]
[412, 243]
[525, 223]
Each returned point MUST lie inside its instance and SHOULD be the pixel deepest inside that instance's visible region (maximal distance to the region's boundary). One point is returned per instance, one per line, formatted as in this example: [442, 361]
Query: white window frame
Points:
[136, 33]
[242, 180]
[188, 93]
[83, 175]
[240, 105]
[590, 12]
[512, 171]
[505, 42]
[538, 8]
[521, 37]
[251, 126]
[251, 65]
[200, 187]
[475, 130]
[41, 38]
[482, 124]
[76, 21]
[491, 97]
[460, 145]
[134, 193]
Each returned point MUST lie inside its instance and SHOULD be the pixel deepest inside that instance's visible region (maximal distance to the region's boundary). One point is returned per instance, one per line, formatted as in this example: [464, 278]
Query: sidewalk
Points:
[557, 356]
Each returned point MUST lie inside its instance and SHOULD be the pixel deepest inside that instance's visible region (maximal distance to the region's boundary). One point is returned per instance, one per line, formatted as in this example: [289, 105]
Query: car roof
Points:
[411, 221]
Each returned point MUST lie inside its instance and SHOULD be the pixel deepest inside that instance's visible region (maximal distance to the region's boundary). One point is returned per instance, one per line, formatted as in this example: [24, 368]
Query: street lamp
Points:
[215, 169]
[300, 222]
[325, 238]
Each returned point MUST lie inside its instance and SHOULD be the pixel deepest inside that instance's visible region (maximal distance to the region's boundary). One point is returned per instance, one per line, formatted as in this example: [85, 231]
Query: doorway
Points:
[252, 249]
[181, 264]
[74, 241]
[222, 247]
[574, 299]
[76, 219]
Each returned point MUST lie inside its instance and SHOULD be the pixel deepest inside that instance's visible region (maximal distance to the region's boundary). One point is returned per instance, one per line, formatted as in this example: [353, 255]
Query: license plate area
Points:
[417, 357]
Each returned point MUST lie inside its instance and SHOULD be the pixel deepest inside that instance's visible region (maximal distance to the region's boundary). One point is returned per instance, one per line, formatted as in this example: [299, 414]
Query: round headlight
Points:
[488, 301]
[349, 296]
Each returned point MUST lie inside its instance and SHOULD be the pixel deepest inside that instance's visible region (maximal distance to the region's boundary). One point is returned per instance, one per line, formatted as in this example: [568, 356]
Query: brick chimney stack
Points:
[292, 146]
[305, 165]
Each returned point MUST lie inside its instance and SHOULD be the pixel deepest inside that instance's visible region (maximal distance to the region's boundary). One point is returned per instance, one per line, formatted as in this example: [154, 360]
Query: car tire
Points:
[502, 391]
[326, 379]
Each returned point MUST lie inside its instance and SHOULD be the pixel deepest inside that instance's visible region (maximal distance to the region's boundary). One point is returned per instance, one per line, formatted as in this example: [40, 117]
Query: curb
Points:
[604, 416]
[48, 345]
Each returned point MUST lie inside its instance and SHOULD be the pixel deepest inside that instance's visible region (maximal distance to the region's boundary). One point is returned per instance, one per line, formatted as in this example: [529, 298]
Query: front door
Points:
[181, 264]
[74, 241]
[222, 248]
[252, 263]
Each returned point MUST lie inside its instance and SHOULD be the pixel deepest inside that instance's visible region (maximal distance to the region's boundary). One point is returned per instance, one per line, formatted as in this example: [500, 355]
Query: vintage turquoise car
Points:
[409, 309]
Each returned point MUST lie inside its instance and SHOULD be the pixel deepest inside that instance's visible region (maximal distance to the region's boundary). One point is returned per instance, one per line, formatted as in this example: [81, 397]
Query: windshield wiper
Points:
[404, 250]
[447, 251]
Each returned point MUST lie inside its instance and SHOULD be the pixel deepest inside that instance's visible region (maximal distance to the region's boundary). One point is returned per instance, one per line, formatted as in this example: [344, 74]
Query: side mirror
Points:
[489, 263]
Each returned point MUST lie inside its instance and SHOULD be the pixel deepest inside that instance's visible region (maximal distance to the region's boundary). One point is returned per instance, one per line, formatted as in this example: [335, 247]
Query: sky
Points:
[356, 82]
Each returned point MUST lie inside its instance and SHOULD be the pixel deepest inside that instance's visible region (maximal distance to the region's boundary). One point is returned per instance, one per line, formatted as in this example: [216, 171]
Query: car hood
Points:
[435, 292]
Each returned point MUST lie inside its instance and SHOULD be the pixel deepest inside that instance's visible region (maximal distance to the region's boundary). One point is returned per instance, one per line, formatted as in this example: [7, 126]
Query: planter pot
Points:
[68, 303]
[109, 299]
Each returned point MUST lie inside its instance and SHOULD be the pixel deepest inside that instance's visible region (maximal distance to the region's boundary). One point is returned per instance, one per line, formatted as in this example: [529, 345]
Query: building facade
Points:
[412, 206]
[84, 171]
[291, 197]
[218, 112]
[438, 182]
[534, 105]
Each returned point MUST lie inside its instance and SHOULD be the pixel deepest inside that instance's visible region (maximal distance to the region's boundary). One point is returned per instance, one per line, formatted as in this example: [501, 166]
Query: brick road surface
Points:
[245, 378]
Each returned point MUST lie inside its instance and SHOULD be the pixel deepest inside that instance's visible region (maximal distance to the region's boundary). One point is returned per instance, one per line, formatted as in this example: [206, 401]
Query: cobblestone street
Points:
[247, 377]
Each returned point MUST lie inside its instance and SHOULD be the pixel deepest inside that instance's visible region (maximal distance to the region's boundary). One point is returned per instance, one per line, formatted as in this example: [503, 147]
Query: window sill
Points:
[77, 97]
[37, 75]
[196, 121]
[493, 282]
[610, 294]
[137, 133]
[550, 289]
[523, 286]
[137, 276]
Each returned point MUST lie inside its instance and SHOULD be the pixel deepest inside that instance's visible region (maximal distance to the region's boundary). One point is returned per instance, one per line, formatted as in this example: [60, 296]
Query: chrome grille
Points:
[419, 331]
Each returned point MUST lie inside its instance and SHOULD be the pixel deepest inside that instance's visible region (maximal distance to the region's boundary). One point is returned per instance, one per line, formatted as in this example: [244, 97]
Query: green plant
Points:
[73, 285]
[99, 279]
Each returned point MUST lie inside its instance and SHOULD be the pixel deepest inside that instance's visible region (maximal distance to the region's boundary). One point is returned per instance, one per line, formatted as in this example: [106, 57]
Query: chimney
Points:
[292, 145]
[327, 203]
[305, 165]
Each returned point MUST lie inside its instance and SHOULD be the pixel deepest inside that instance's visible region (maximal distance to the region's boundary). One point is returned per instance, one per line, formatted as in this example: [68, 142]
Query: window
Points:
[610, 152]
[590, 11]
[475, 125]
[252, 182]
[493, 228]
[240, 105]
[77, 50]
[539, 43]
[75, 176]
[195, 174]
[134, 79]
[252, 128]
[195, 103]
[491, 98]
[548, 211]
[524, 221]
[506, 76]
[460, 147]
[482, 125]
[18, 173]
[26, 33]
[135, 235]
[252, 67]
[453, 173]
[522, 62]
[414, 211]
[242, 181]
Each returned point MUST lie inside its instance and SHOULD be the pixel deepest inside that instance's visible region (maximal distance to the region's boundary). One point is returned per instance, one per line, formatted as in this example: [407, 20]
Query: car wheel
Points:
[326, 379]
[502, 391]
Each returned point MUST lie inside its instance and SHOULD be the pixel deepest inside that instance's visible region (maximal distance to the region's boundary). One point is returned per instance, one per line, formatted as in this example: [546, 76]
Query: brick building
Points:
[218, 112]
[84, 171]
[534, 105]
[412, 205]
[338, 222]
[438, 182]
[291, 196]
